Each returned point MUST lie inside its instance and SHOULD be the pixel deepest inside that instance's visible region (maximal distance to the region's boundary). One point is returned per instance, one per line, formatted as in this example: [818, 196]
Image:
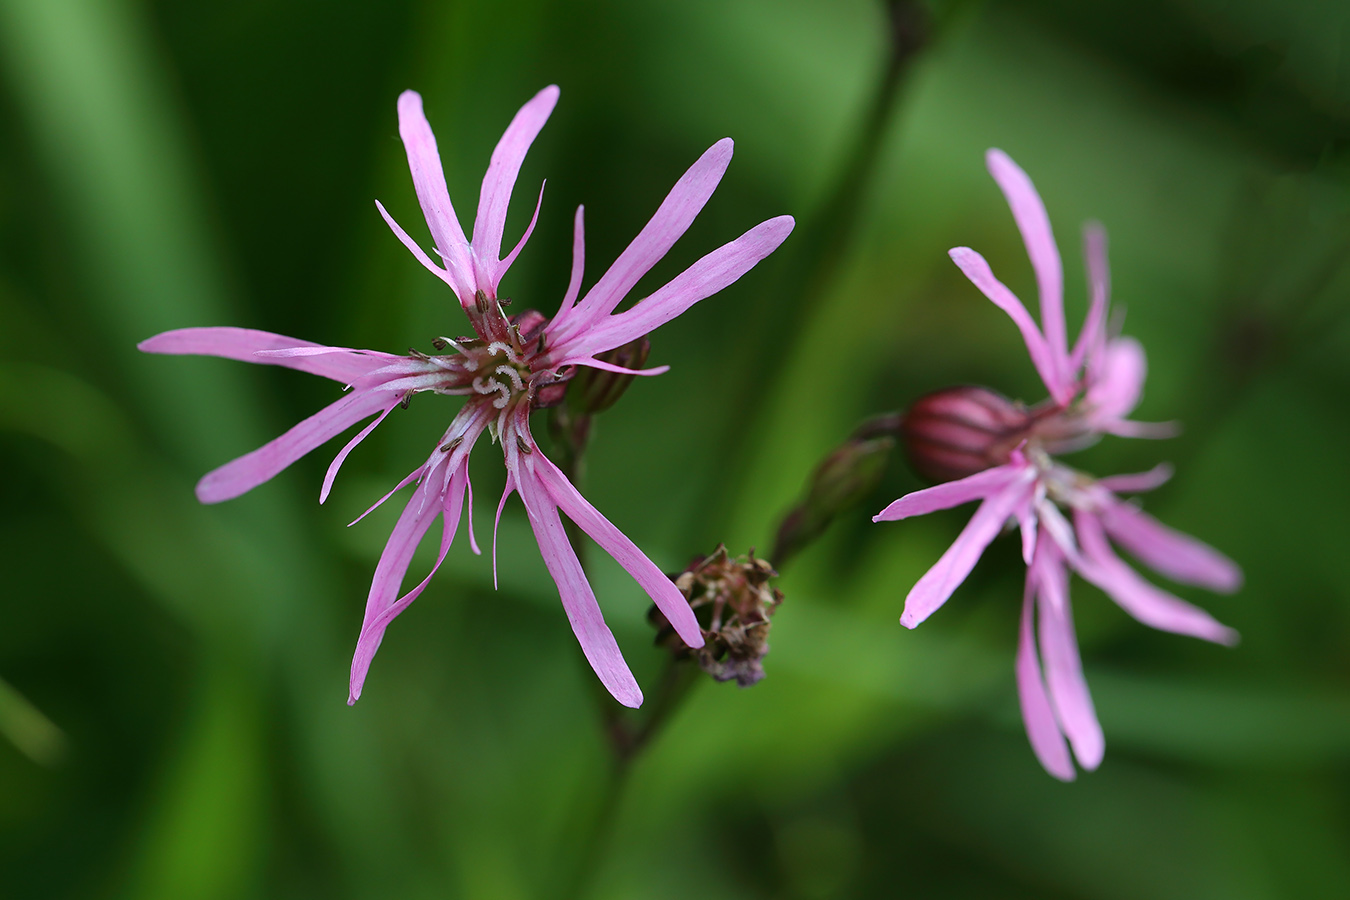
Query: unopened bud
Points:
[596, 390]
[957, 432]
[529, 325]
[844, 478]
[733, 601]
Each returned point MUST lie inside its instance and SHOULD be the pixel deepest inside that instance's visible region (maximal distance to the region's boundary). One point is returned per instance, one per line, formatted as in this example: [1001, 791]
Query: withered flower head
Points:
[733, 600]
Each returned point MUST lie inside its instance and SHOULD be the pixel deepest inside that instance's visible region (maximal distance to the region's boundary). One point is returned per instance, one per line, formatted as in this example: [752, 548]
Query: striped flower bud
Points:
[956, 432]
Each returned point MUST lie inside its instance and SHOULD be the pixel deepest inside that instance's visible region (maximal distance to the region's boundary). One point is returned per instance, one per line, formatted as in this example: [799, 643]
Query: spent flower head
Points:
[1002, 454]
[508, 366]
[733, 600]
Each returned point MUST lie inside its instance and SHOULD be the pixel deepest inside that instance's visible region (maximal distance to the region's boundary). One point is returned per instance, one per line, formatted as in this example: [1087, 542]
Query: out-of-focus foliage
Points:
[174, 675]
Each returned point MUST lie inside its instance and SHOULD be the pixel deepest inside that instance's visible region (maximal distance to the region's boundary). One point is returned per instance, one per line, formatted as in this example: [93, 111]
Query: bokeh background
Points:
[173, 677]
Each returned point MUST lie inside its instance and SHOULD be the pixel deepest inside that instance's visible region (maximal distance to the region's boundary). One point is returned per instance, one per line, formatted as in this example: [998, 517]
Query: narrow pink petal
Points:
[497, 521]
[1147, 603]
[676, 213]
[1057, 528]
[1099, 289]
[412, 476]
[1138, 482]
[495, 195]
[383, 602]
[660, 588]
[704, 278]
[610, 367]
[979, 486]
[1032, 221]
[578, 600]
[338, 460]
[245, 344]
[252, 469]
[1168, 551]
[1026, 524]
[460, 282]
[287, 352]
[524, 238]
[977, 270]
[1042, 730]
[1153, 431]
[1118, 381]
[424, 160]
[578, 264]
[468, 515]
[946, 575]
[1059, 651]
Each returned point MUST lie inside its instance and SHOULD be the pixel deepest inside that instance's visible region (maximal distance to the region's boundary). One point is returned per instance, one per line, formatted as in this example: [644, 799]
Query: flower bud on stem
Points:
[843, 479]
[956, 432]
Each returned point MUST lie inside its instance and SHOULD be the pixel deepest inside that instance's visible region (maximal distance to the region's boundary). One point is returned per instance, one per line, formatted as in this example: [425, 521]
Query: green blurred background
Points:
[174, 676]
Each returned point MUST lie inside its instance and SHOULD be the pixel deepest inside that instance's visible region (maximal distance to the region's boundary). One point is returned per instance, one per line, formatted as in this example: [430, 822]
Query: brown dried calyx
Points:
[733, 601]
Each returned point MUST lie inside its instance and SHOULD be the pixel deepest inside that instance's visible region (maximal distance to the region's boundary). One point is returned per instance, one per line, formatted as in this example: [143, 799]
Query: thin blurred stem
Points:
[677, 680]
[821, 242]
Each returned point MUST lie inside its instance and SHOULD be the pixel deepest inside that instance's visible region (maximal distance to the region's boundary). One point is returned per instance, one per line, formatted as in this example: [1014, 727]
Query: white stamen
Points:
[513, 375]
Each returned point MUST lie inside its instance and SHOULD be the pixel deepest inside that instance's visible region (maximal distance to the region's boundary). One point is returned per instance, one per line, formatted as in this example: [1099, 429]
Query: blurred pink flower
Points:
[1093, 388]
[511, 366]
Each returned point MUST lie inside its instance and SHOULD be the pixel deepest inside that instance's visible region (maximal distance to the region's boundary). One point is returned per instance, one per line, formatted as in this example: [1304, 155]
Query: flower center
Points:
[497, 368]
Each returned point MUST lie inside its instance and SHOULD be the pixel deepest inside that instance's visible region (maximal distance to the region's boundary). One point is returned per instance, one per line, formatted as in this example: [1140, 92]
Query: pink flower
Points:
[1093, 388]
[510, 366]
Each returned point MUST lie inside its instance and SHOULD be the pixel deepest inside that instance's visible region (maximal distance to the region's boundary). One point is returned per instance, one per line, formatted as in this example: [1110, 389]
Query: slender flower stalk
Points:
[510, 366]
[1002, 454]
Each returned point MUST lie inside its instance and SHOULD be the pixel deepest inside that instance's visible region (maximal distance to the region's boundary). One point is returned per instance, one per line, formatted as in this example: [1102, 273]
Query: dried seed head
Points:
[733, 601]
[959, 431]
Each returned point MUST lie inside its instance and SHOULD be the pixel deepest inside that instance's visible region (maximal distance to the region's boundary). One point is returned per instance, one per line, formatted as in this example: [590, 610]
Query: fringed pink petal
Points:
[946, 575]
[1026, 526]
[977, 270]
[459, 282]
[704, 278]
[578, 600]
[246, 345]
[1059, 654]
[1115, 387]
[1153, 431]
[1029, 213]
[1093, 334]
[497, 521]
[468, 514]
[252, 469]
[1138, 482]
[953, 493]
[578, 263]
[676, 213]
[424, 160]
[412, 476]
[1042, 730]
[338, 460]
[1147, 603]
[609, 367]
[383, 603]
[658, 586]
[505, 264]
[1168, 551]
[495, 194]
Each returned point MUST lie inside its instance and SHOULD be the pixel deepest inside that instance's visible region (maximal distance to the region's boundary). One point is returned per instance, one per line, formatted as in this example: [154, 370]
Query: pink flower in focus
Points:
[510, 366]
[1067, 520]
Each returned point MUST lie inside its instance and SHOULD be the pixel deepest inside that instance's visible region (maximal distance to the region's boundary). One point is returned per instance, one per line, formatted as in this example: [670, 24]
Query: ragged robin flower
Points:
[507, 368]
[1003, 454]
